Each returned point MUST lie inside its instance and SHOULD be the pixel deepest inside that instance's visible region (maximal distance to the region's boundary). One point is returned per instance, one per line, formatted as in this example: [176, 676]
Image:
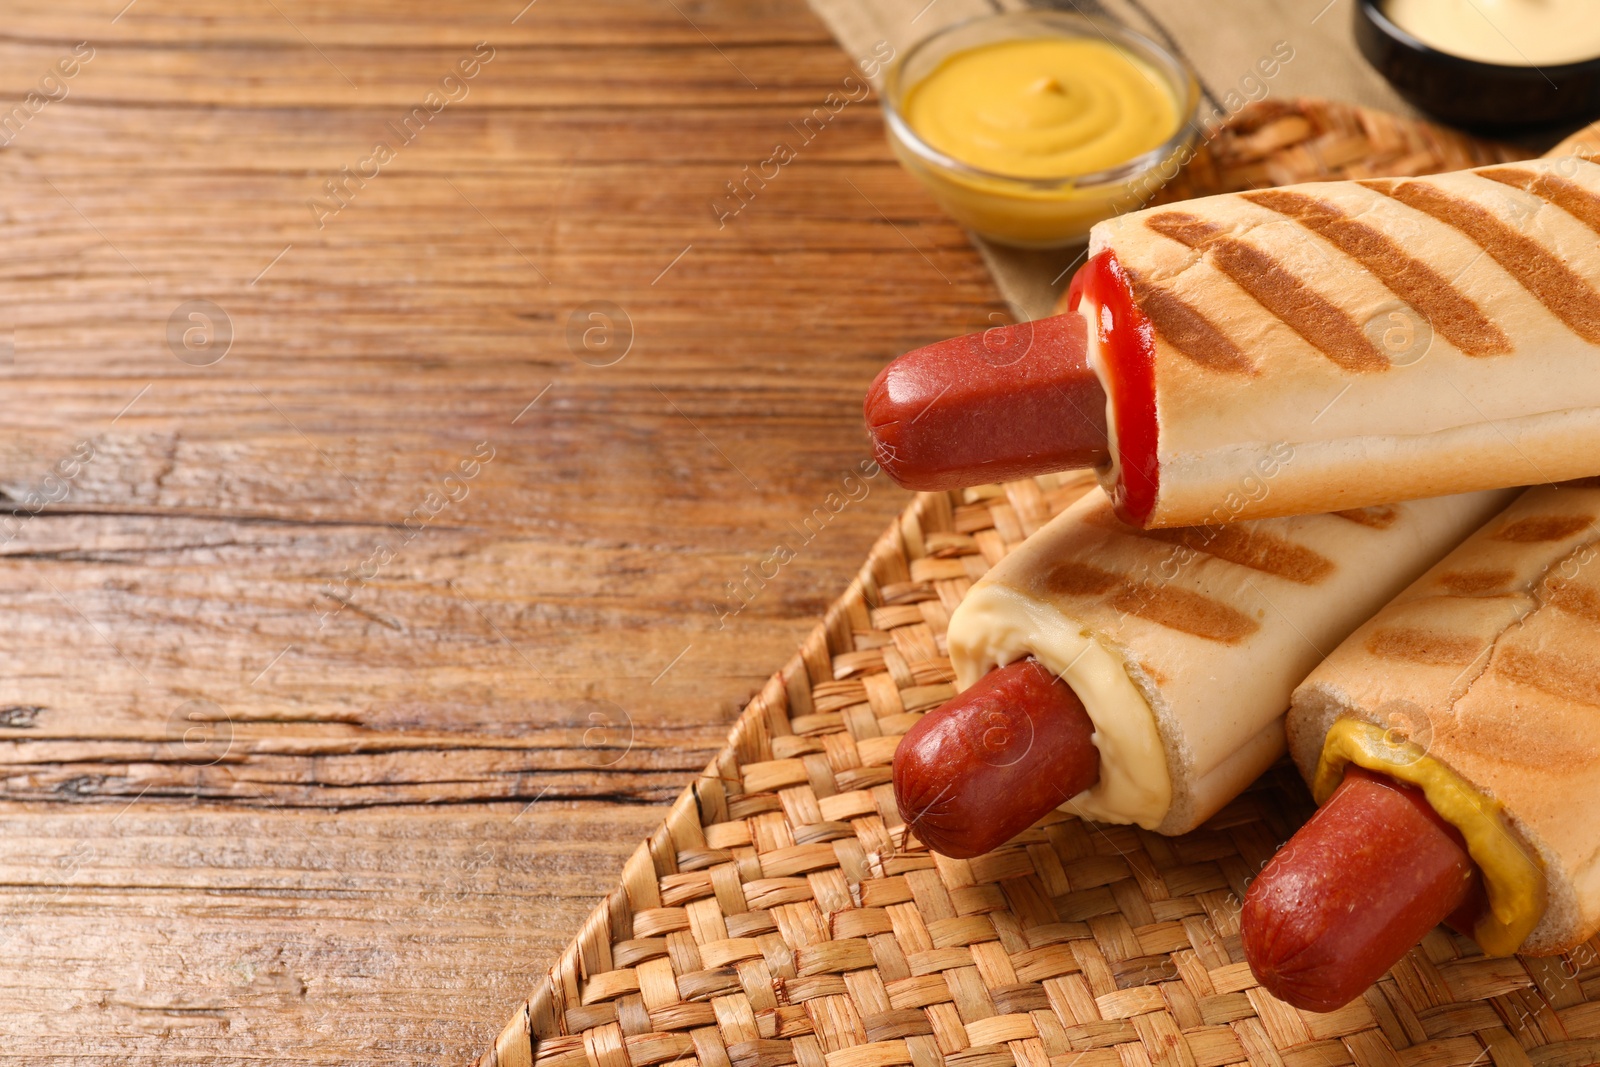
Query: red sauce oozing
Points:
[1130, 366]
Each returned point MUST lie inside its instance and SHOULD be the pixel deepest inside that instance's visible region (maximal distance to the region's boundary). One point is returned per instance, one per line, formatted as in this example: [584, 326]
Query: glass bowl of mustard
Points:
[1029, 127]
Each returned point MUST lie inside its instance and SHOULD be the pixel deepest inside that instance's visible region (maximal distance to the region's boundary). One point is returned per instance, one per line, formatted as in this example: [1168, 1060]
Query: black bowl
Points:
[1467, 92]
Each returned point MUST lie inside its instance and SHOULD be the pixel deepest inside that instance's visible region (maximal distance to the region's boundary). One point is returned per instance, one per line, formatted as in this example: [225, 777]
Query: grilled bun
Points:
[1385, 339]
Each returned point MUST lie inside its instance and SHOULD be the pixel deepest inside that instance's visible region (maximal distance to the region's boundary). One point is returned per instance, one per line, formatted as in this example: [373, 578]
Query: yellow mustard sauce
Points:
[1512, 875]
[1042, 108]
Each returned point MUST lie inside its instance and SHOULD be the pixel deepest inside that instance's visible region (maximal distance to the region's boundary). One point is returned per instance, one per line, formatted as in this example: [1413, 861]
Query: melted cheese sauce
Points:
[996, 625]
[1517, 33]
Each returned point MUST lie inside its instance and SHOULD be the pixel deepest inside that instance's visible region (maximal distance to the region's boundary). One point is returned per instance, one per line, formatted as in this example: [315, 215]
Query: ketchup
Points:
[1128, 346]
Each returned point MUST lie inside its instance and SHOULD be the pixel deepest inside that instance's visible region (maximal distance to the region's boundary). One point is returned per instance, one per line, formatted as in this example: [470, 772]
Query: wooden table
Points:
[367, 566]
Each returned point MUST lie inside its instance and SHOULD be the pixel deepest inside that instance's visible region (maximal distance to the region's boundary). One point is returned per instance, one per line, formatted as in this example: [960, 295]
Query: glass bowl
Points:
[1037, 212]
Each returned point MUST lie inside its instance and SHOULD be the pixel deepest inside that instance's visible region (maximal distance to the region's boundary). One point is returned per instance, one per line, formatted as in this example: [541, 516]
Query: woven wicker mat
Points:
[781, 916]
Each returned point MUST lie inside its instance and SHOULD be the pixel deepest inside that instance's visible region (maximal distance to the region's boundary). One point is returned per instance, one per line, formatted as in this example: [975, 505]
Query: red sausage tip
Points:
[1372, 872]
[993, 760]
[1010, 402]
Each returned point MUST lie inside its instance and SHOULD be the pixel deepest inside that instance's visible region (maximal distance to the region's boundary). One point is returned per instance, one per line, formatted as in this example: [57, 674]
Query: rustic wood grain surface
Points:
[363, 607]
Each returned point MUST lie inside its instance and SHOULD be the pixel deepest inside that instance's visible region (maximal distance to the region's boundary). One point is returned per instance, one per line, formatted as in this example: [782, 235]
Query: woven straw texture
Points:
[782, 915]
[1280, 142]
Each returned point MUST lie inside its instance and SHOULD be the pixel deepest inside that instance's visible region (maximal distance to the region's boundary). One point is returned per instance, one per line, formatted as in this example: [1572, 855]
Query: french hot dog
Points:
[1180, 646]
[1480, 685]
[1399, 338]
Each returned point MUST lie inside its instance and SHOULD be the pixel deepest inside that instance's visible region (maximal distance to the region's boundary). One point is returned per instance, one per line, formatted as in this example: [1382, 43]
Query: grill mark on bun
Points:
[1186, 329]
[1380, 517]
[1186, 612]
[1574, 599]
[1538, 270]
[1564, 193]
[1453, 316]
[1079, 579]
[1540, 528]
[1569, 677]
[1239, 544]
[1104, 515]
[1164, 605]
[1416, 645]
[1477, 582]
[1250, 548]
[1324, 326]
